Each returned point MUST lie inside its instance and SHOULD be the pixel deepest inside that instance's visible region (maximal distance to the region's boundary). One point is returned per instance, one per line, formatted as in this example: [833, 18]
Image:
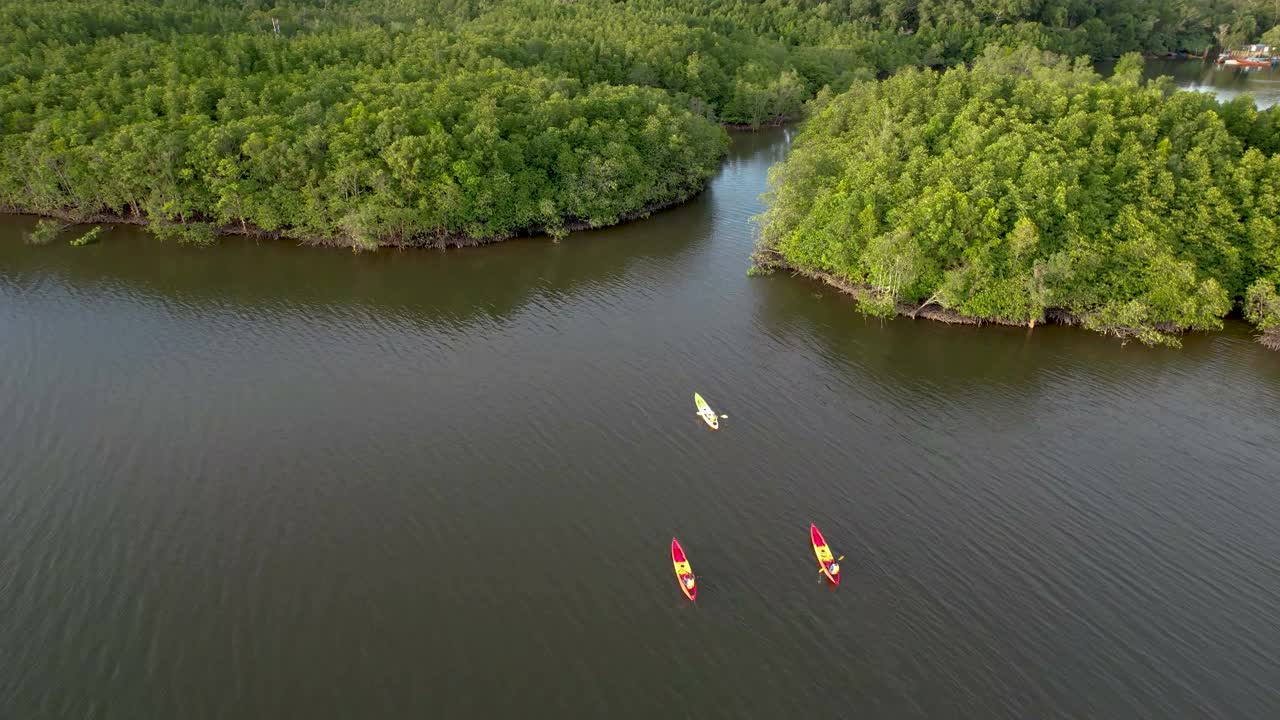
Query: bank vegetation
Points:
[1028, 188]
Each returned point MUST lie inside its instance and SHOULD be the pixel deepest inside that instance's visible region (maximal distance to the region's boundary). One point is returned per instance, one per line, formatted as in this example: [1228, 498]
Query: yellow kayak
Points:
[706, 413]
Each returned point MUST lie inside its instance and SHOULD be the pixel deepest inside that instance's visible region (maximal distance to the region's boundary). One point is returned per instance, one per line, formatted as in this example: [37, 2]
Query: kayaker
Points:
[835, 568]
[688, 582]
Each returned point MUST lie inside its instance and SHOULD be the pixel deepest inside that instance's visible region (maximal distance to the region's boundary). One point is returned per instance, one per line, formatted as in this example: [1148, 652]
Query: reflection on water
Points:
[454, 287]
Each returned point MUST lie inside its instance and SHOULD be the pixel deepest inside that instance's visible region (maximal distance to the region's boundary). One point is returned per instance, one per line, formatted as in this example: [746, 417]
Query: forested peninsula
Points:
[1026, 188]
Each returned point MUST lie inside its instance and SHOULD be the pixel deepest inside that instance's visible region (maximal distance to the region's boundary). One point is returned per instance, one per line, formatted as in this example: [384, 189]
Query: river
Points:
[1227, 83]
[263, 481]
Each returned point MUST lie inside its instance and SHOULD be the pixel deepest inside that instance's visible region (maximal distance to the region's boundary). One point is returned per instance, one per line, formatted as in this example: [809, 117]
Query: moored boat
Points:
[1255, 56]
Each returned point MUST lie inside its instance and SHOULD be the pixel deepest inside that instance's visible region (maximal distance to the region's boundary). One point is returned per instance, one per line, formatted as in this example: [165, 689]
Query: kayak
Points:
[684, 573]
[822, 551]
[705, 412]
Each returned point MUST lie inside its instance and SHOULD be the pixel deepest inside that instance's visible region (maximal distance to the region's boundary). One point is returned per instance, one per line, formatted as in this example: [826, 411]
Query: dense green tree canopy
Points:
[1028, 183]
[428, 121]
[371, 133]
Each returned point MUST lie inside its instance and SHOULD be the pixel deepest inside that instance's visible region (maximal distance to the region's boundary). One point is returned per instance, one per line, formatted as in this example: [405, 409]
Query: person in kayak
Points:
[834, 568]
[688, 581]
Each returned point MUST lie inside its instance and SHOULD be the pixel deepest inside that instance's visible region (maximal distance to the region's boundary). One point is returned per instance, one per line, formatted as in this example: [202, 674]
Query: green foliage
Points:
[188, 233]
[415, 121]
[340, 127]
[1255, 128]
[88, 238]
[1262, 305]
[437, 121]
[46, 232]
[1029, 183]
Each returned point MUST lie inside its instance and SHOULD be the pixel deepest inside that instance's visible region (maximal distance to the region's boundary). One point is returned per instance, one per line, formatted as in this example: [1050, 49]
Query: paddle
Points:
[824, 567]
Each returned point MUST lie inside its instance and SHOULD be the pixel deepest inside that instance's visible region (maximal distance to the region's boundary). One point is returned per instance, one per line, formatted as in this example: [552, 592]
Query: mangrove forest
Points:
[1027, 187]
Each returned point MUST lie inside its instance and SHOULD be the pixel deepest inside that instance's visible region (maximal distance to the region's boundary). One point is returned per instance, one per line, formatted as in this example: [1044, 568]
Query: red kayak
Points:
[826, 561]
[684, 573]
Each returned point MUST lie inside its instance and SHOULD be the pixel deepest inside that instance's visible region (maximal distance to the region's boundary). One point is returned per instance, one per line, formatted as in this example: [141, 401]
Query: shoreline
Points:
[773, 122]
[443, 241]
[769, 261]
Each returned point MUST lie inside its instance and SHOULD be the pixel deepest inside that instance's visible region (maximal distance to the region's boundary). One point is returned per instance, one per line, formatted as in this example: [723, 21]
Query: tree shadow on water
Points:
[929, 360]
[455, 287]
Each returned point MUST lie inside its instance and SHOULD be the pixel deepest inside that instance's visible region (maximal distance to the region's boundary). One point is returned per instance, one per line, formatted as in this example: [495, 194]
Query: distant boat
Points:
[1248, 62]
[1255, 56]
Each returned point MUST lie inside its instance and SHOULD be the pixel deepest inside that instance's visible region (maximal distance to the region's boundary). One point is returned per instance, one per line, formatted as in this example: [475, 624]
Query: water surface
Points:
[1228, 83]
